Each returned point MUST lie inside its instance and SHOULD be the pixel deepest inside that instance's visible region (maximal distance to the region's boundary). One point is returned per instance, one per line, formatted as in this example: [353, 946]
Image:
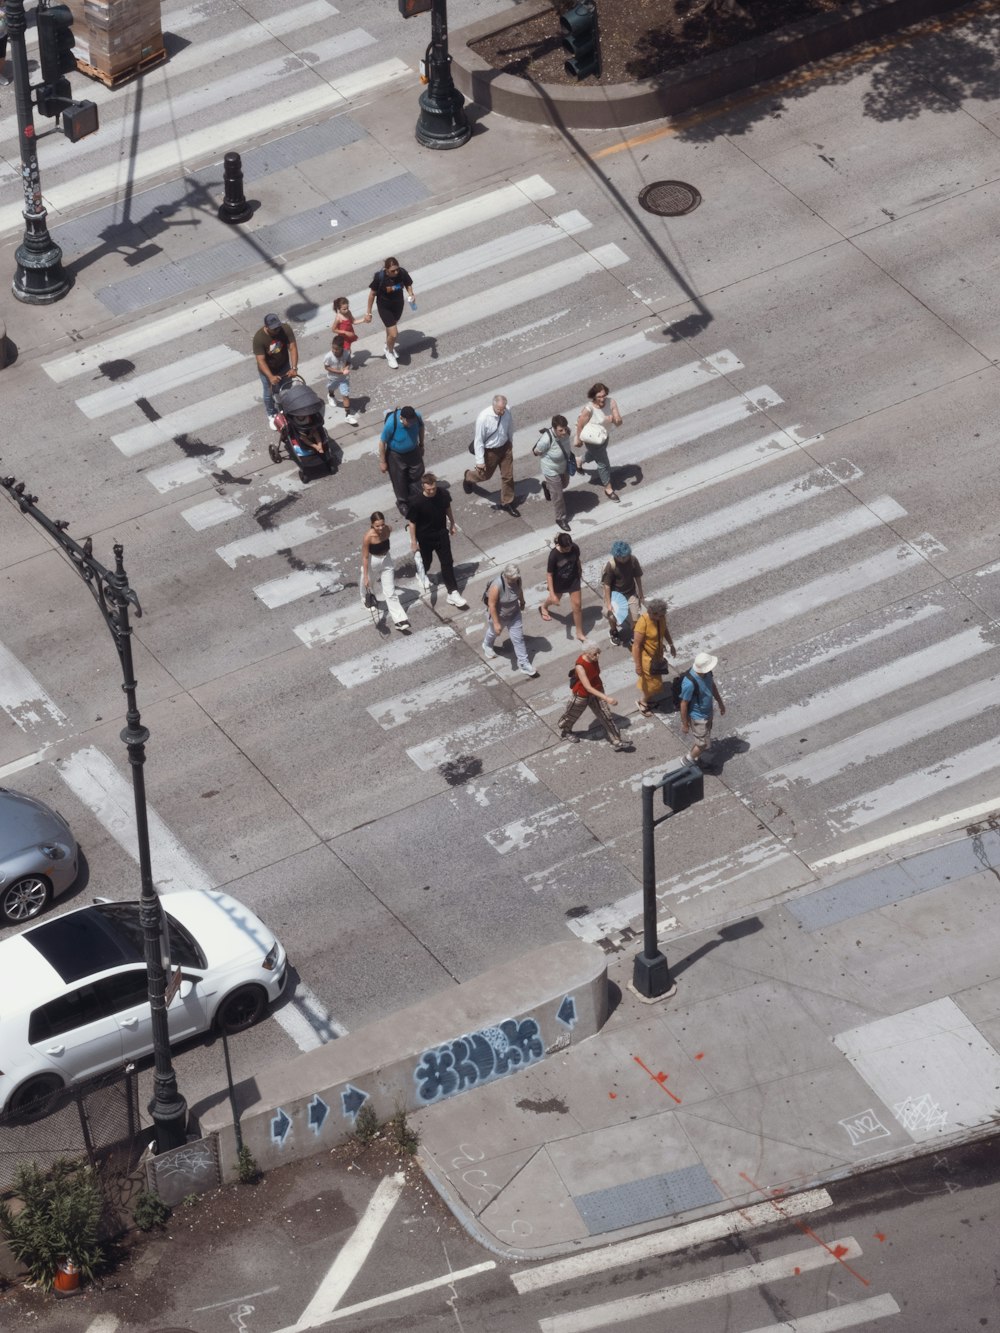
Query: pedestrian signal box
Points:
[682, 787]
[78, 120]
[579, 33]
[410, 8]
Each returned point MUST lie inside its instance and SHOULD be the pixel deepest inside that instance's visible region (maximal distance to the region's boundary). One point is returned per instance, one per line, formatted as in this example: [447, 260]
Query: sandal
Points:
[645, 709]
[613, 495]
[543, 613]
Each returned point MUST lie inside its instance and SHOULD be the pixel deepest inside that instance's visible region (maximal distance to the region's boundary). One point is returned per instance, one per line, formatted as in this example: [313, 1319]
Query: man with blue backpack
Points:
[401, 453]
[699, 693]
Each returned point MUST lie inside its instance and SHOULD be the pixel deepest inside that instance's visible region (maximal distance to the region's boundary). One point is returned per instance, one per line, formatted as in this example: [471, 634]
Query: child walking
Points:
[337, 364]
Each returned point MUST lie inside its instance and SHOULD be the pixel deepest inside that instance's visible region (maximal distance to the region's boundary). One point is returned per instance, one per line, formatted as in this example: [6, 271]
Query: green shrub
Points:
[403, 1137]
[149, 1211]
[366, 1123]
[59, 1220]
[246, 1166]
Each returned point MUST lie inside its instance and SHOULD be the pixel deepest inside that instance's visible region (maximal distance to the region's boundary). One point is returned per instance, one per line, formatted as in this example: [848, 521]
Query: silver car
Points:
[38, 857]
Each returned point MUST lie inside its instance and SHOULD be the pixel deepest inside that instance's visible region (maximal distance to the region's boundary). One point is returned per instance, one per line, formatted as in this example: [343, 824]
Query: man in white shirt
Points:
[493, 446]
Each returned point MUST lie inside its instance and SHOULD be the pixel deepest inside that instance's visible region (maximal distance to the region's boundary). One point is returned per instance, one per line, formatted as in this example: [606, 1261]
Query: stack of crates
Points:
[117, 39]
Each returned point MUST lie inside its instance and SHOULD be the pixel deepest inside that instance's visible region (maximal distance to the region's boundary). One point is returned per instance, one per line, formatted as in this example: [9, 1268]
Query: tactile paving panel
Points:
[645, 1200]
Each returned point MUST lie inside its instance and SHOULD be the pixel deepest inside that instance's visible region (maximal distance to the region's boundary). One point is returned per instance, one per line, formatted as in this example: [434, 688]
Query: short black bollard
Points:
[234, 207]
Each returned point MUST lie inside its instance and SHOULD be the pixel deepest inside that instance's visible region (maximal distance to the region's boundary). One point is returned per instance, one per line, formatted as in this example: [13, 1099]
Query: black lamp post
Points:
[442, 122]
[651, 979]
[111, 592]
[39, 278]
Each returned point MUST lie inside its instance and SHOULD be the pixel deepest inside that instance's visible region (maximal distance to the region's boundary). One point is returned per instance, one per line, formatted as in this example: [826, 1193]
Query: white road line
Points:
[707, 421]
[123, 393]
[168, 476]
[418, 699]
[942, 712]
[445, 1280]
[330, 268]
[701, 1289]
[920, 785]
[828, 647]
[355, 1251]
[560, 1271]
[282, 537]
[853, 691]
[104, 1323]
[399, 653]
[306, 1019]
[26, 761]
[473, 737]
[970, 815]
[519, 834]
[23, 698]
[324, 629]
[210, 513]
[299, 583]
[840, 1316]
[92, 776]
[186, 420]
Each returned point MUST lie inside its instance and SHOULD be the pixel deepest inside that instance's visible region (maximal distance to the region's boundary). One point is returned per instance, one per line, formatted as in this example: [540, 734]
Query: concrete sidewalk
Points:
[855, 1024]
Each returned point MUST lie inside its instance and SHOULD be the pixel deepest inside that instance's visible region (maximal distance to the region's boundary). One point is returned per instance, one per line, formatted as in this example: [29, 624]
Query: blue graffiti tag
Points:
[477, 1057]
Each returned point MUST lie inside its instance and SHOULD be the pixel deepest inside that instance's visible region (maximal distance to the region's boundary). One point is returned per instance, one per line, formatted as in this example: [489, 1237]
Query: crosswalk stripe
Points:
[837, 1317]
[167, 377]
[187, 420]
[472, 737]
[281, 537]
[393, 656]
[23, 698]
[920, 785]
[397, 711]
[696, 424]
[314, 274]
[825, 650]
[170, 476]
[946, 710]
[869, 686]
[300, 583]
[210, 513]
[181, 155]
[620, 1312]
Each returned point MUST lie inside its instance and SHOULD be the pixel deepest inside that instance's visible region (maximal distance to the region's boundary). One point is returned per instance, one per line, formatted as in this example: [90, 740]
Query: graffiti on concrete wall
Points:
[477, 1058]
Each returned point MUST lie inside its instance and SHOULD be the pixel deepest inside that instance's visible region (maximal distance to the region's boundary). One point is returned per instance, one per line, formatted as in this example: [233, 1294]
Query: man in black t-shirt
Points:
[277, 358]
[431, 525]
[386, 289]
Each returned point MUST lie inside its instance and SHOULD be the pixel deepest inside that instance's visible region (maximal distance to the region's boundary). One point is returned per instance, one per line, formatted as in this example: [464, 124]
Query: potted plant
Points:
[54, 1230]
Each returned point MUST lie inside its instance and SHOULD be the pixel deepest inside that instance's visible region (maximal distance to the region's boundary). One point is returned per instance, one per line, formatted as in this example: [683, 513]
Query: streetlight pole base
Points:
[169, 1113]
[442, 122]
[651, 979]
[39, 279]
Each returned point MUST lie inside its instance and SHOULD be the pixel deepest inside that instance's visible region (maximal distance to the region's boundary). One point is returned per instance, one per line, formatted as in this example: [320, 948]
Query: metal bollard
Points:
[234, 207]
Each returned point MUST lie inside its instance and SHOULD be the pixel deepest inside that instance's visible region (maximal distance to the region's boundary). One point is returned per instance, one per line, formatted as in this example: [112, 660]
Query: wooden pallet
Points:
[121, 76]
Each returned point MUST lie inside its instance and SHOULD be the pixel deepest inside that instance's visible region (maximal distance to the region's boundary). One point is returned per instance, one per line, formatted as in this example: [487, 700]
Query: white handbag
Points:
[594, 433]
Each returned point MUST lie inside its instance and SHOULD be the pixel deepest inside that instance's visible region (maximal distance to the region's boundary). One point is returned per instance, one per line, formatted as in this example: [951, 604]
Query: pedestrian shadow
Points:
[722, 751]
[739, 930]
[412, 340]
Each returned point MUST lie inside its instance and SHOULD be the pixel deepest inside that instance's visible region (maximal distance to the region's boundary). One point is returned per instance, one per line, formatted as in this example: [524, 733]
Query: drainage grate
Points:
[669, 199]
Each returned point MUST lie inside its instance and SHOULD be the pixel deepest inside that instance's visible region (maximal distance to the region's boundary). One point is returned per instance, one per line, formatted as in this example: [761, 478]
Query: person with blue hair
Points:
[621, 579]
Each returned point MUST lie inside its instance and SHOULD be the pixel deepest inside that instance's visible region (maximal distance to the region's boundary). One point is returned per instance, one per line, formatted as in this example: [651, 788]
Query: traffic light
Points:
[55, 55]
[78, 120]
[682, 787]
[579, 30]
[409, 8]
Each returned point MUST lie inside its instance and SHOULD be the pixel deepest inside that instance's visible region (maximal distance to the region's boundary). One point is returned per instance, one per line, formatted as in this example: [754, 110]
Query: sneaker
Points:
[569, 736]
[621, 745]
[272, 422]
[511, 509]
[351, 419]
[528, 670]
[488, 653]
[390, 356]
[331, 398]
[688, 760]
[404, 627]
[467, 486]
[561, 523]
[456, 599]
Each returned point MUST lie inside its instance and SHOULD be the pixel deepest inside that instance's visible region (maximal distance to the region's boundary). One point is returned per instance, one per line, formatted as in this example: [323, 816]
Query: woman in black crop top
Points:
[378, 575]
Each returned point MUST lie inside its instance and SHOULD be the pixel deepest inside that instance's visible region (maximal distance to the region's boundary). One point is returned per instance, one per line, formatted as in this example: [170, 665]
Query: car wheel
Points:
[241, 1009]
[24, 900]
[35, 1099]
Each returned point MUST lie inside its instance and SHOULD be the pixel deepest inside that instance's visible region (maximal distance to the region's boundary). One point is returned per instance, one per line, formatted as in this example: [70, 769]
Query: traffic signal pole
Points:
[39, 278]
[442, 122]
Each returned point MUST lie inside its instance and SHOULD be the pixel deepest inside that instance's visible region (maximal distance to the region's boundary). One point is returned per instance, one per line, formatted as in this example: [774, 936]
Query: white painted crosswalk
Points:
[747, 535]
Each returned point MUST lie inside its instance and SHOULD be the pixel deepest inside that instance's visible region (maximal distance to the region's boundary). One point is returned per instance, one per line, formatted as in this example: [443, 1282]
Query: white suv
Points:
[73, 989]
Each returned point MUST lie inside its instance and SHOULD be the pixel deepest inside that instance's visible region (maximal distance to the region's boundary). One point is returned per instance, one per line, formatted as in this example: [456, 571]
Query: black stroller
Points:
[301, 432]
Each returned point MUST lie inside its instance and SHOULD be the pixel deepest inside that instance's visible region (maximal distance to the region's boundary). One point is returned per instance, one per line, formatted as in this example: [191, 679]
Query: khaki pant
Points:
[502, 458]
[600, 710]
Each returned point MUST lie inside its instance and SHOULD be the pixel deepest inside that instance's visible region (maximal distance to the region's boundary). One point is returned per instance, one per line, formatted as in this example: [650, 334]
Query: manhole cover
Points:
[669, 199]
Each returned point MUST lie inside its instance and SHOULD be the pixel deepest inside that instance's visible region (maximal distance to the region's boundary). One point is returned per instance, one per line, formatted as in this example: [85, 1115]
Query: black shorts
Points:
[389, 311]
[561, 589]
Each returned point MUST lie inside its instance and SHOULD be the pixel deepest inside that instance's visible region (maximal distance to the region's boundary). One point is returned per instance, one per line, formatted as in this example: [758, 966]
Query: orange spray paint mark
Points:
[835, 1253]
[659, 1078]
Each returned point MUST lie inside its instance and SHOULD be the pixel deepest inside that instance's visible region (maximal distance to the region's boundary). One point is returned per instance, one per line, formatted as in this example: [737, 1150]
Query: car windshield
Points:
[104, 936]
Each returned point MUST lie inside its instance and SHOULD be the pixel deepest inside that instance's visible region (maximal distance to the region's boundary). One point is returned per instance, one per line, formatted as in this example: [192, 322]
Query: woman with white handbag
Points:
[592, 433]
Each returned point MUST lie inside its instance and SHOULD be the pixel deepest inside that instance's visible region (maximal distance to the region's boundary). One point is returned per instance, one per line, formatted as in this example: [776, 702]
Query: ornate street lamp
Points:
[442, 122]
[39, 278]
[111, 592]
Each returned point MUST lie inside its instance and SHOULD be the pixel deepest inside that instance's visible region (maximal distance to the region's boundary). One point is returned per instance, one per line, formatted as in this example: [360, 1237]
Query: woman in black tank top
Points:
[378, 575]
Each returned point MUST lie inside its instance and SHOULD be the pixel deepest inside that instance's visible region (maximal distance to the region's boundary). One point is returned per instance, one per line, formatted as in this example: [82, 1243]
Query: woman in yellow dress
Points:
[650, 636]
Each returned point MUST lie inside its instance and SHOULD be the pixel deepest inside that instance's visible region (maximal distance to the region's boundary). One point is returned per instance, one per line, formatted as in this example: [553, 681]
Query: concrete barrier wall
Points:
[616, 106]
[509, 1018]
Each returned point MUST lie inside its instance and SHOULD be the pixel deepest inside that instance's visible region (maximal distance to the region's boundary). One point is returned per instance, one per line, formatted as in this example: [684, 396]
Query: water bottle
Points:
[413, 305]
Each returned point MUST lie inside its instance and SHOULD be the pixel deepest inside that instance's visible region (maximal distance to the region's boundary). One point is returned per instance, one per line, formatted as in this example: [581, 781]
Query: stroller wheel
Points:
[303, 474]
